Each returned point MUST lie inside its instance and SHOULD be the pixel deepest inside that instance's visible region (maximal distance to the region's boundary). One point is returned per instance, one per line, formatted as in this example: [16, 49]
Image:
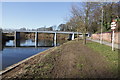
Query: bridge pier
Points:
[1, 46]
[55, 39]
[88, 35]
[73, 36]
[17, 39]
[36, 39]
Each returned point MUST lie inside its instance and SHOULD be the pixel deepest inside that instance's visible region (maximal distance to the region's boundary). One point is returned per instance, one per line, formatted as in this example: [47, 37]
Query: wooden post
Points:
[113, 38]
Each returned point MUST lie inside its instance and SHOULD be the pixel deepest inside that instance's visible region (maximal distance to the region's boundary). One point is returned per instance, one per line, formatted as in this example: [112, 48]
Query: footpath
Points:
[117, 46]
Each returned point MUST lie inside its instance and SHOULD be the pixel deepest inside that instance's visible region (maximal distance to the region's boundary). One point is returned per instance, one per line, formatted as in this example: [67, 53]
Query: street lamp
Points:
[101, 38]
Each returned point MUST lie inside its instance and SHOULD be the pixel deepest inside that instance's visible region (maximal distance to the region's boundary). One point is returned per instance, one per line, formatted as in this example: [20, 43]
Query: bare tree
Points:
[81, 18]
[86, 17]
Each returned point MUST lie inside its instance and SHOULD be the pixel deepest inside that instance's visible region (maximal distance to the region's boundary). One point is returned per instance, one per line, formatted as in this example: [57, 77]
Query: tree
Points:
[50, 29]
[87, 17]
[23, 29]
[81, 18]
[111, 11]
[54, 27]
[62, 27]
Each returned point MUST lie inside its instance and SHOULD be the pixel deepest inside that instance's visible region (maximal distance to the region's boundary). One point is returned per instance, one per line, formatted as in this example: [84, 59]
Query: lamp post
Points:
[101, 37]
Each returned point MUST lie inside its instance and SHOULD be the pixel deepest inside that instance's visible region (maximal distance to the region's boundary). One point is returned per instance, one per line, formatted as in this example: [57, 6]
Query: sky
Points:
[31, 15]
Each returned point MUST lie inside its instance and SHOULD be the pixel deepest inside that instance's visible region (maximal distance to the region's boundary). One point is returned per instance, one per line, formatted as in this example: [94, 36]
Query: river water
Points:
[11, 55]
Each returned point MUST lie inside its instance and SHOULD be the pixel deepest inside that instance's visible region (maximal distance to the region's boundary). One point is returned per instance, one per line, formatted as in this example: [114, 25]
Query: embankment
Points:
[70, 60]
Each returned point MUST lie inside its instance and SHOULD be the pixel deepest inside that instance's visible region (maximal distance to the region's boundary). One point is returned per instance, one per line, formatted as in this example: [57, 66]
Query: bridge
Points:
[62, 32]
[17, 35]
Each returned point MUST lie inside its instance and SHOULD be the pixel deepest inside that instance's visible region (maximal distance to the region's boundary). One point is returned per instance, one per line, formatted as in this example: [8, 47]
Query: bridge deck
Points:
[60, 32]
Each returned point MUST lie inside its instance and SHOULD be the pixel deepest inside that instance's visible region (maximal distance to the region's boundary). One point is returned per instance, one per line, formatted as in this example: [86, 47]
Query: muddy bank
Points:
[70, 60]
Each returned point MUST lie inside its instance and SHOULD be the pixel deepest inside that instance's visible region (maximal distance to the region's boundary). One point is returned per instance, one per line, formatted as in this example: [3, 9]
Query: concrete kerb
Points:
[17, 64]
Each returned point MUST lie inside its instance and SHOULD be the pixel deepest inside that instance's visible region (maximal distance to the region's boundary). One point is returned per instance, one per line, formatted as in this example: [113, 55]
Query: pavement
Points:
[117, 46]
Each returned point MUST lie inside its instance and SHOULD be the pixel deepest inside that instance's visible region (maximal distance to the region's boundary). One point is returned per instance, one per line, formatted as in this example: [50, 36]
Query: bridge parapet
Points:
[60, 32]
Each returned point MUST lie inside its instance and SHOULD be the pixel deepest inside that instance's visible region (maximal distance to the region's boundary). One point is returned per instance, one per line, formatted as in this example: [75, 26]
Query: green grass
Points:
[106, 51]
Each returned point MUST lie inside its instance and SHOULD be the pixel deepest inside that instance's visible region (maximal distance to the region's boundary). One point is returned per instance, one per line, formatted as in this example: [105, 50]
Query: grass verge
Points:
[106, 51]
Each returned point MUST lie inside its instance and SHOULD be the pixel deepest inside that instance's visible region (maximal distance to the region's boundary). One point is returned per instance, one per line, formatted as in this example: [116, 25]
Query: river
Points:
[11, 55]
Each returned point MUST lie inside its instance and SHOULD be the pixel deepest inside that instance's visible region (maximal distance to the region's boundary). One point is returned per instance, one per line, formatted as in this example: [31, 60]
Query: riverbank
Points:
[70, 60]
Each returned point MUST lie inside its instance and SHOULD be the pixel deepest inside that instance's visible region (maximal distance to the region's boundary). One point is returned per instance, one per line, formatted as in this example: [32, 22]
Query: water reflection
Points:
[31, 42]
[11, 55]
[9, 43]
[27, 42]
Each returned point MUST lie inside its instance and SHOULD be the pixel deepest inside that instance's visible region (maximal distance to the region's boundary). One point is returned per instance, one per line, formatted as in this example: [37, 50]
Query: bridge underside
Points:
[17, 36]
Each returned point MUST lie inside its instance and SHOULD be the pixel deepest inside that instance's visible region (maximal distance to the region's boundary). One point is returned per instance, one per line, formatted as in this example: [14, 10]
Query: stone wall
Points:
[107, 37]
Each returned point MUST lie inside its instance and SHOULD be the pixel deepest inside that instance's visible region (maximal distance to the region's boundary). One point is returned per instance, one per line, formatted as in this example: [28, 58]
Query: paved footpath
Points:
[106, 43]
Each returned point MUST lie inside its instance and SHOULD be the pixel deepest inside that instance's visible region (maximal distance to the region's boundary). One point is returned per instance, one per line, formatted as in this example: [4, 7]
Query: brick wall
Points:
[107, 37]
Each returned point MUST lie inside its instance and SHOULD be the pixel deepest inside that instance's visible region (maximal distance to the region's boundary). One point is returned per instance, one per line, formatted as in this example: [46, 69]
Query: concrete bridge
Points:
[17, 35]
